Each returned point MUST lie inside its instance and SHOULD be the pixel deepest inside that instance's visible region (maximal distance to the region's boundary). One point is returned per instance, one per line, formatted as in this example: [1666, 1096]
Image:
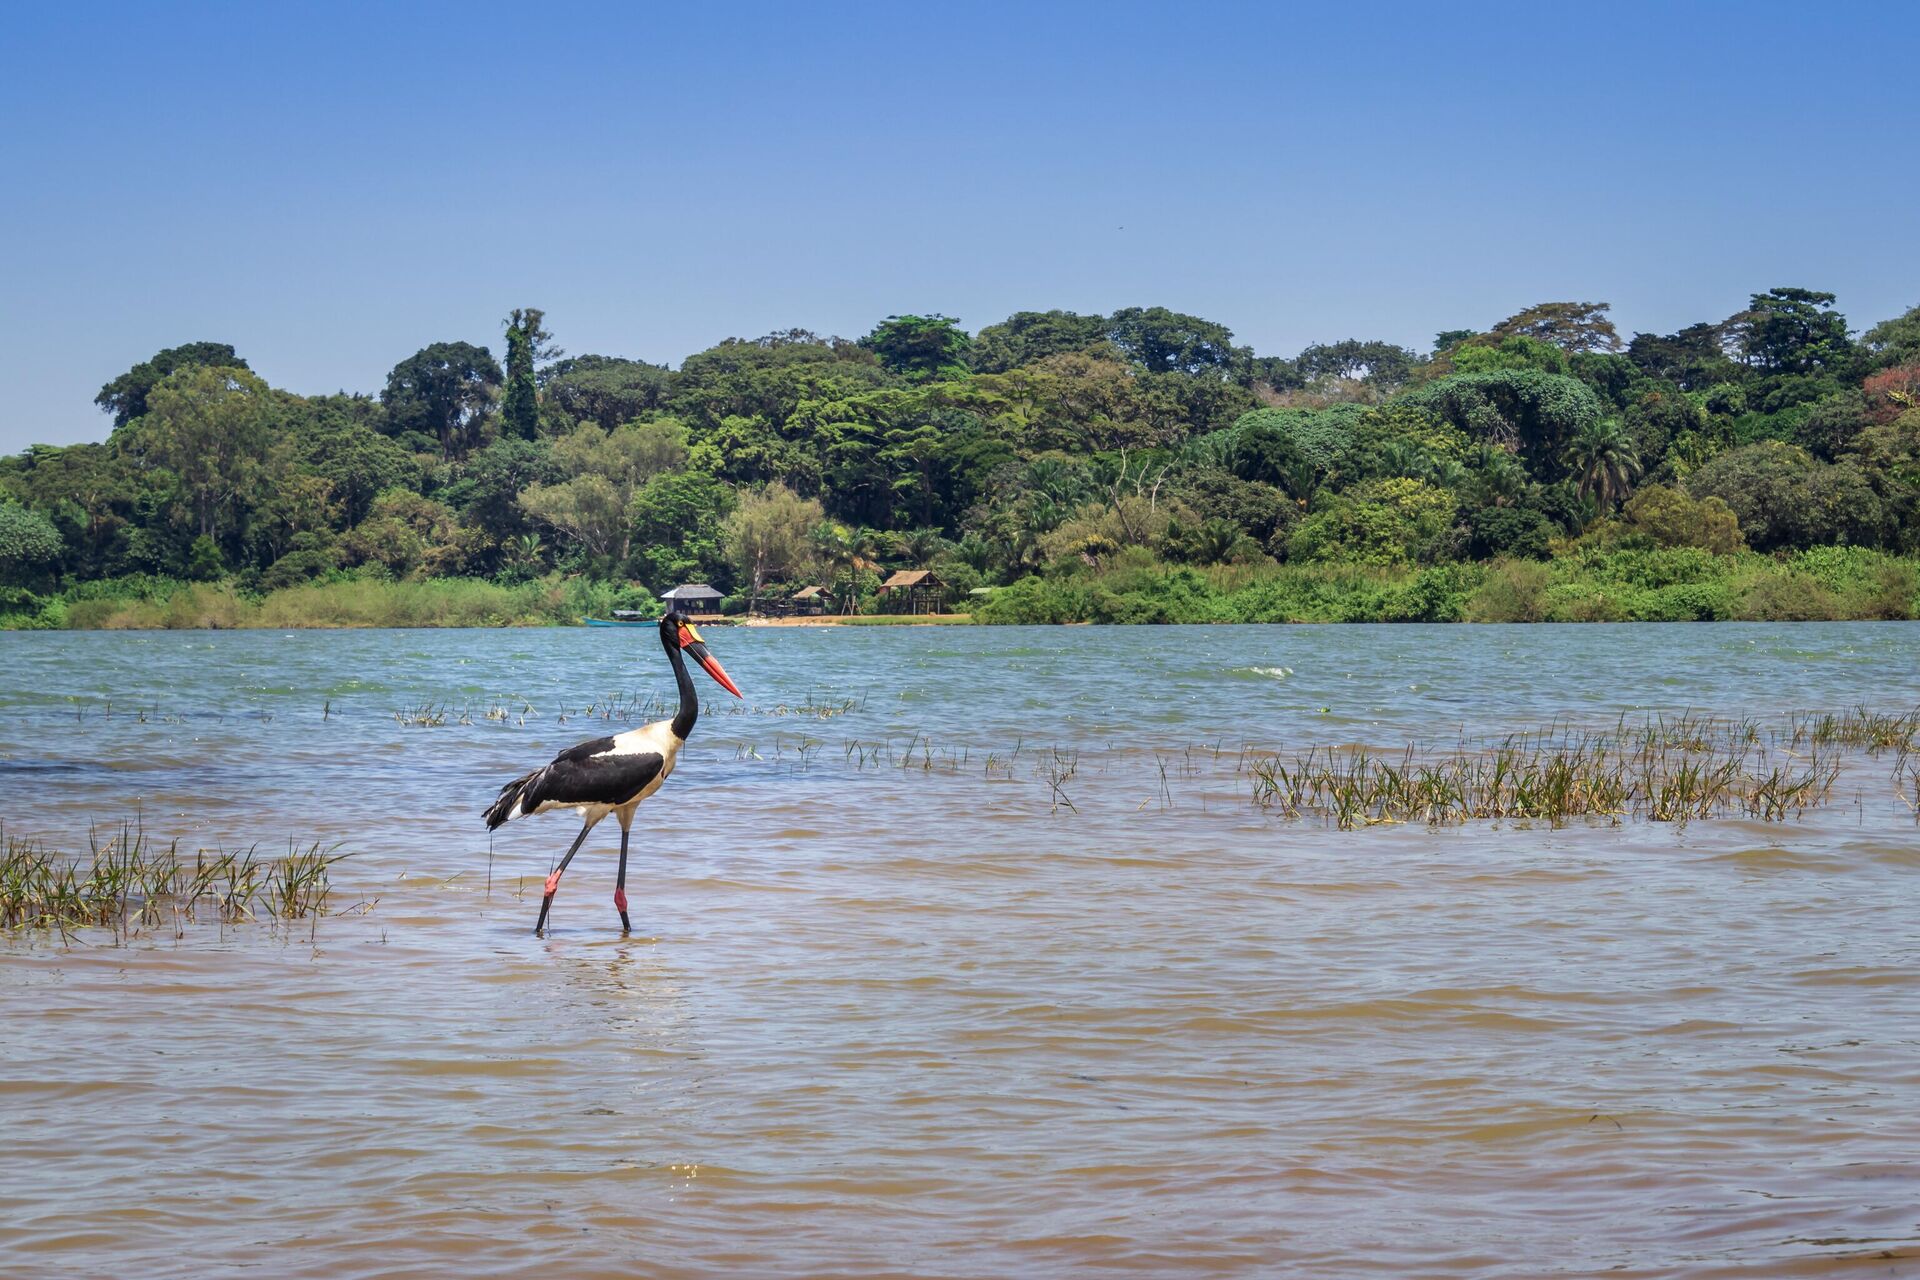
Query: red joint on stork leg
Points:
[553, 882]
[620, 901]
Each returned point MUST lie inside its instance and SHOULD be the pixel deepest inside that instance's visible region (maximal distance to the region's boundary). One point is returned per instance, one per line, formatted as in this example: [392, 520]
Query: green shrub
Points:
[1512, 591]
[1771, 594]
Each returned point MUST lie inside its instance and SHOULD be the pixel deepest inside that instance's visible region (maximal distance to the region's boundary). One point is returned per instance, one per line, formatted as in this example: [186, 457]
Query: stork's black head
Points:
[677, 633]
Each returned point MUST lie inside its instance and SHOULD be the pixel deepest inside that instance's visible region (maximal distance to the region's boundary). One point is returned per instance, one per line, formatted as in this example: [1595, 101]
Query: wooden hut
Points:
[695, 599]
[918, 589]
[808, 601]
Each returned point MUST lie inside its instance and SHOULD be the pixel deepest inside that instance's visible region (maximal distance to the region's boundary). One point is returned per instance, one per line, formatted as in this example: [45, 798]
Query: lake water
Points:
[957, 952]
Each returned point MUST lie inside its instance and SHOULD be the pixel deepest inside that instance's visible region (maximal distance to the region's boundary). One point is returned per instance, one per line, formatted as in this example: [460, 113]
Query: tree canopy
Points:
[1052, 443]
[126, 396]
[445, 392]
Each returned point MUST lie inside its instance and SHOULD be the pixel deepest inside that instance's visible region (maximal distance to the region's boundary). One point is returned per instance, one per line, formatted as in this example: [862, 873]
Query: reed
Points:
[1662, 770]
[1673, 768]
[1867, 730]
[127, 882]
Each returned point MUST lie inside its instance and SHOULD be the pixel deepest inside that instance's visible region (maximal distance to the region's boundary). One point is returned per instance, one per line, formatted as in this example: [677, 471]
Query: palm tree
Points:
[1602, 455]
[1400, 458]
[1049, 476]
[922, 547]
[975, 551]
[1500, 477]
[1448, 474]
[843, 547]
[1215, 541]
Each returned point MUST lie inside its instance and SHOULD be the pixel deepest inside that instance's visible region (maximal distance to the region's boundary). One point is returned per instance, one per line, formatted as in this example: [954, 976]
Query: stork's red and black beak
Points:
[697, 649]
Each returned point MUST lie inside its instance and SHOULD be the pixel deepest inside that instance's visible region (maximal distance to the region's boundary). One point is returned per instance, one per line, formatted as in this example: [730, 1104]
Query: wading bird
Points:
[613, 775]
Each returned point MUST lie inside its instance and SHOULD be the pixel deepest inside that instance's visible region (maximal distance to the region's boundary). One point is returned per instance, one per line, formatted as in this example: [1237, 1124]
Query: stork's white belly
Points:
[653, 739]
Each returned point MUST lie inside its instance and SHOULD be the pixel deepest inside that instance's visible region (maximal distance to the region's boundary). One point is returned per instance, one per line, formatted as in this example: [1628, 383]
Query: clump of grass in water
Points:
[1662, 771]
[128, 882]
[1869, 730]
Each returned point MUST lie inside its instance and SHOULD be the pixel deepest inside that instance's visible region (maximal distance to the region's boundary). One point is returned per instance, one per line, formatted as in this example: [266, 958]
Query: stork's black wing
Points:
[587, 774]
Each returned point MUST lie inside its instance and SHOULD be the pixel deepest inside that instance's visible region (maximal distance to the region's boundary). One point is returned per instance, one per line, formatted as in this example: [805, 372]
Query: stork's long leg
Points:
[553, 881]
[620, 884]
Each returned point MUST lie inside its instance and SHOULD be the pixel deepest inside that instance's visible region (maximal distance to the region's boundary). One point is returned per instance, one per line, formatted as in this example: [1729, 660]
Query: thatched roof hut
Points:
[693, 598]
[920, 588]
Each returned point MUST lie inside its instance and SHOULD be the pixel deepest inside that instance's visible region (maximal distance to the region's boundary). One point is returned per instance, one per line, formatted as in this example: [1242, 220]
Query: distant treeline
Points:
[1544, 467]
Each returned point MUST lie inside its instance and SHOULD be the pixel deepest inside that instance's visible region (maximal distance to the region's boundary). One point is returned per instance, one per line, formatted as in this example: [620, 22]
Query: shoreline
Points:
[862, 620]
[1830, 584]
[962, 620]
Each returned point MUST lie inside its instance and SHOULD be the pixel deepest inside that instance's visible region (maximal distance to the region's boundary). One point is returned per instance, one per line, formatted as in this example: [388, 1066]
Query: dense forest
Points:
[1139, 466]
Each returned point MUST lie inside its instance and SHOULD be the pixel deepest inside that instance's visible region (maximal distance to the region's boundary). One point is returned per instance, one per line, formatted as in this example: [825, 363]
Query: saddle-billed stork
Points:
[613, 775]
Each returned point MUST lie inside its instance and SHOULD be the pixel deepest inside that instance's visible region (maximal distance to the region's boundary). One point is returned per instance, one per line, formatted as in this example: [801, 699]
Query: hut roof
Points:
[911, 578]
[691, 591]
[809, 593]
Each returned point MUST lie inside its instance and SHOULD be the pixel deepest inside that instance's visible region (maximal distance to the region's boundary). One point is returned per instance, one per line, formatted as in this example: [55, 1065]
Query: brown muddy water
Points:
[958, 952]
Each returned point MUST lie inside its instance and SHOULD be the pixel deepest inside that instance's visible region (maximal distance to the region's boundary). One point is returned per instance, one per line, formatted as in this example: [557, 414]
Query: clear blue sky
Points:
[331, 187]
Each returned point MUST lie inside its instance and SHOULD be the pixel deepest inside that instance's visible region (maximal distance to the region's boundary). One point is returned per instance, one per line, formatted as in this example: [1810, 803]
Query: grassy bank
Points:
[1669, 585]
[166, 604]
[1590, 585]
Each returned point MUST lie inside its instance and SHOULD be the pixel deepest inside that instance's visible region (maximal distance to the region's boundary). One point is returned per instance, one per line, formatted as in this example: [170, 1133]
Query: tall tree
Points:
[1169, 342]
[1027, 336]
[490, 486]
[527, 344]
[29, 544]
[1692, 359]
[1380, 363]
[1571, 326]
[605, 389]
[847, 550]
[1895, 341]
[606, 469]
[1792, 331]
[1537, 413]
[359, 463]
[208, 426]
[921, 347]
[1601, 454]
[444, 391]
[677, 521]
[768, 537]
[126, 396]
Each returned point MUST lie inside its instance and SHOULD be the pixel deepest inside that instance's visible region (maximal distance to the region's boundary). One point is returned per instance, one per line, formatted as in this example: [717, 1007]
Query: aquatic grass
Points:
[127, 882]
[637, 707]
[1671, 768]
[887, 753]
[1868, 730]
[1662, 770]
[1058, 768]
[1906, 783]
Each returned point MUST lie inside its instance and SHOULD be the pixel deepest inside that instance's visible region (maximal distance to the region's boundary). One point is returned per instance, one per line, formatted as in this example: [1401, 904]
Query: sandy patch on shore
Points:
[843, 619]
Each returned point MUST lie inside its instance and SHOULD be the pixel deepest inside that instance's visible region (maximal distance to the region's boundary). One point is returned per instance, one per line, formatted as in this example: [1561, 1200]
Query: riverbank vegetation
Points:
[129, 883]
[1134, 467]
[1670, 768]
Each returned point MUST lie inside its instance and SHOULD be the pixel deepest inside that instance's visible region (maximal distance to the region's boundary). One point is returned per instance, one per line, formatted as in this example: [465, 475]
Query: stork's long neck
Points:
[689, 700]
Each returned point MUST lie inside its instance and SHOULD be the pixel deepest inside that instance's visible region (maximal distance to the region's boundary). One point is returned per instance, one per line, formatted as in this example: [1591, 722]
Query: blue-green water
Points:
[959, 951]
